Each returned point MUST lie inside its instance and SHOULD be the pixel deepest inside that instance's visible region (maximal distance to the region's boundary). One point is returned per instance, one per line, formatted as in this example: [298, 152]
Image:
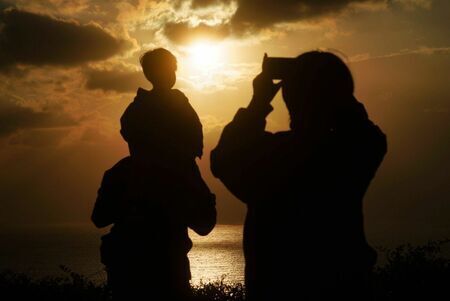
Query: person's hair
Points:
[321, 81]
[325, 72]
[156, 62]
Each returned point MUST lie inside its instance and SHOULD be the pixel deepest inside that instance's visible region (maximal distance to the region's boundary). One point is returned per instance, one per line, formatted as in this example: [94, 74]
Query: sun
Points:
[205, 62]
[205, 55]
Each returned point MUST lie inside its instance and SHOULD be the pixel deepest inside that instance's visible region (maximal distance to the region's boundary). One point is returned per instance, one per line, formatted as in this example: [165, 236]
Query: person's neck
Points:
[160, 89]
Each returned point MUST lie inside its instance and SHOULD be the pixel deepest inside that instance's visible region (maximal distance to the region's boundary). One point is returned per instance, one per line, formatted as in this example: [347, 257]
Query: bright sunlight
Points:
[205, 62]
[204, 55]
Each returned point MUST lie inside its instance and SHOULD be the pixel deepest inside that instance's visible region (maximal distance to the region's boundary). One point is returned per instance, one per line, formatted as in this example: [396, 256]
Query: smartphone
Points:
[278, 67]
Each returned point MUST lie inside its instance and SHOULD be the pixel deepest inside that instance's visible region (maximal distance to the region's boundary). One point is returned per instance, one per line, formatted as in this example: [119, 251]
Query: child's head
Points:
[159, 66]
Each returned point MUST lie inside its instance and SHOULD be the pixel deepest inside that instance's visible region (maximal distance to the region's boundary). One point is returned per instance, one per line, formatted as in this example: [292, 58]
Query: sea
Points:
[40, 251]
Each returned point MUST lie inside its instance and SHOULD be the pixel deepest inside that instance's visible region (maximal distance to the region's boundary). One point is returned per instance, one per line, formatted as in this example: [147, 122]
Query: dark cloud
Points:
[254, 15]
[15, 117]
[28, 38]
[183, 33]
[206, 3]
[257, 14]
[114, 80]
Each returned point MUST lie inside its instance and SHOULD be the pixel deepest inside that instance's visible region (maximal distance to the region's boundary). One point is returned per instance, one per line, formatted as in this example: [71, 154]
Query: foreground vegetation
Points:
[410, 273]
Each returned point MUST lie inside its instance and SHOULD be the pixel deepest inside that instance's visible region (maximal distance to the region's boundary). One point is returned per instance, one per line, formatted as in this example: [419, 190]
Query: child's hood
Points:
[142, 95]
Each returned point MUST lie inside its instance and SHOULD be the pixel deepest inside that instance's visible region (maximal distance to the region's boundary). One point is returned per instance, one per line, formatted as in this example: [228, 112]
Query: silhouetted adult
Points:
[155, 194]
[304, 237]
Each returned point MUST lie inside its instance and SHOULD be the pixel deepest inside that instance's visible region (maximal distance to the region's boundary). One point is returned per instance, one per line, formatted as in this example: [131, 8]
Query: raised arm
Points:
[239, 157]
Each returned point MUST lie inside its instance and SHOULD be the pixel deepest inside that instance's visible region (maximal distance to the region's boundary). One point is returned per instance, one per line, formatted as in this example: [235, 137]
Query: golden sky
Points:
[69, 68]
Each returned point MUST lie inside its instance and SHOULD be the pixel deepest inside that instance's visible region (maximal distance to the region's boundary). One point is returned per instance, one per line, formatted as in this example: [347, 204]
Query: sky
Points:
[69, 68]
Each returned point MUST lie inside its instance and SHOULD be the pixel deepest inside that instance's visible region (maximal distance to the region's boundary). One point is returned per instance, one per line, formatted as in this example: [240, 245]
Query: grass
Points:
[410, 273]
[70, 286]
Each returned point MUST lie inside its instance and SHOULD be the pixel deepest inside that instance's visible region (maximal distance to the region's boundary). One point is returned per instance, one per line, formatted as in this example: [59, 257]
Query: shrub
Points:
[410, 273]
[414, 273]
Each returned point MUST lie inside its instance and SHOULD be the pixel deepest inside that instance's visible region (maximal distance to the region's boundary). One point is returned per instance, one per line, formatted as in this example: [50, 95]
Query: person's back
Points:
[162, 121]
[150, 208]
[134, 250]
[307, 217]
[304, 235]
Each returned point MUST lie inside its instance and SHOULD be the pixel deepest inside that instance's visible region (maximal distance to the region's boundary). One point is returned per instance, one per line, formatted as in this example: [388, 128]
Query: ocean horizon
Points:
[40, 251]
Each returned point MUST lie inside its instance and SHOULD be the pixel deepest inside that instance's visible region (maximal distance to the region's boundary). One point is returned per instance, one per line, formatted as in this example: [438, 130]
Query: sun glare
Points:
[204, 55]
[205, 62]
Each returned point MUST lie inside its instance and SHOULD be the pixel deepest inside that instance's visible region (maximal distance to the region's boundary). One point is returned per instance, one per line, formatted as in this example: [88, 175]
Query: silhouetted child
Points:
[162, 120]
[155, 194]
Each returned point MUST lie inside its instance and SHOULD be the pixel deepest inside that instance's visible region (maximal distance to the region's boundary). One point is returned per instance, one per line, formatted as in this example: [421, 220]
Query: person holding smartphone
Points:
[304, 235]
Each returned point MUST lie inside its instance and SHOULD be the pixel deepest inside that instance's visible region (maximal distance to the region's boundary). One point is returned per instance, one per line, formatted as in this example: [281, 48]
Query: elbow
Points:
[204, 229]
[100, 225]
[206, 226]
[99, 222]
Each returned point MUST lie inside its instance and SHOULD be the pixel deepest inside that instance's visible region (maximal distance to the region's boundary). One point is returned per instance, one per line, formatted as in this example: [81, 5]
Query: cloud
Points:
[15, 117]
[257, 14]
[114, 80]
[39, 137]
[246, 17]
[421, 50]
[34, 39]
[211, 123]
[206, 3]
[52, 7]
[183, 33]
[412, 4]
[224, 77]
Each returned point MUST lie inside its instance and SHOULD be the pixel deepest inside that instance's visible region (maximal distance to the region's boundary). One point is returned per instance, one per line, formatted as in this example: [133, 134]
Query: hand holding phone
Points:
[264, 90]
[278, 67]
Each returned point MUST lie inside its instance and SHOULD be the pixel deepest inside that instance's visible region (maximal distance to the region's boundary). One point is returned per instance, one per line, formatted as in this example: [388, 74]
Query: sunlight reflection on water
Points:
[40, 251]
[219, 253]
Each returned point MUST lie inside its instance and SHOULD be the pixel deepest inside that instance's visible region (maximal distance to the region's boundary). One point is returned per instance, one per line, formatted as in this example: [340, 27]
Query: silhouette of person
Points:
[303, 235]
[164, 114]
[152, 196]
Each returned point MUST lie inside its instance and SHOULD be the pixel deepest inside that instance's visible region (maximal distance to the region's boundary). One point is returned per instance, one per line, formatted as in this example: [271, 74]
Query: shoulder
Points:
[179, 96]
[141, 93]
[123, 163]
[119, 169]
[182, 105]
[142, 97]
[178, 93]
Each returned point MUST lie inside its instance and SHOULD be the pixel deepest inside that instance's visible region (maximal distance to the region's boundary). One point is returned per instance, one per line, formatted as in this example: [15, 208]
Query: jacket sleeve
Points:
[193, 138]
[240, 157]
[195, 134]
